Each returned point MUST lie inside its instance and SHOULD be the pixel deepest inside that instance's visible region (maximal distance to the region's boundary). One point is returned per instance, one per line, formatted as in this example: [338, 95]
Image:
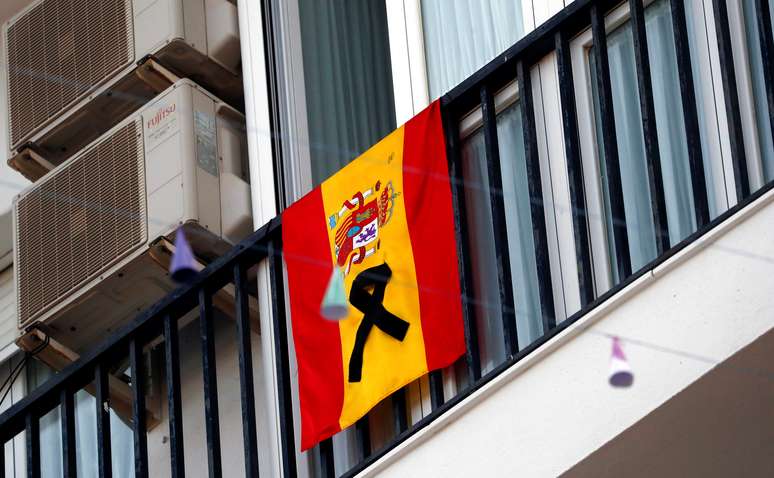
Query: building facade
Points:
[611, 166]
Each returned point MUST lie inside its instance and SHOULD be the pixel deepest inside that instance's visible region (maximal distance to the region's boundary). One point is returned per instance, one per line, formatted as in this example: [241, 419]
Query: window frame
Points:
[407, 55]
[556, 187]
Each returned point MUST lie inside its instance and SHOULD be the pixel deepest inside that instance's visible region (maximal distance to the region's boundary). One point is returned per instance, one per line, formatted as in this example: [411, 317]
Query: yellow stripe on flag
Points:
[383, 354]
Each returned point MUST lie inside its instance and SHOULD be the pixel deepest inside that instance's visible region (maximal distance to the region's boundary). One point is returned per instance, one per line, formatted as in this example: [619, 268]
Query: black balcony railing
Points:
[263, 249]
[161, 320]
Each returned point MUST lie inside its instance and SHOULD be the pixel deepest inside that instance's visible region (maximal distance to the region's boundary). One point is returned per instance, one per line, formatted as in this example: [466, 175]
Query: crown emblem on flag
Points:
[358, 221]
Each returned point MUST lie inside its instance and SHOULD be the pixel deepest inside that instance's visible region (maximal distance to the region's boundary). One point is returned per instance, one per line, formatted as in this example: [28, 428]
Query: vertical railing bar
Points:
[246, 385]
[279, 316]
[435, 379]
[451, 131]
[67, 421]
[400, 411]
[536, 203]
[138, 409]
[363, 430]
[730, 93]
[649, 127]
[609, 143]
[32, 439]
[763, 13]
[174, 400]
[102, 403]
[574, 170]
[210, 380]
[690, 114]
[497, 204]
[327, 464]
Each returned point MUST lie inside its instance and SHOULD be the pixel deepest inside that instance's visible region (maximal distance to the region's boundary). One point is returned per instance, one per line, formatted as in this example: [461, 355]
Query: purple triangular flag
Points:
[620, 372]
[183, 268]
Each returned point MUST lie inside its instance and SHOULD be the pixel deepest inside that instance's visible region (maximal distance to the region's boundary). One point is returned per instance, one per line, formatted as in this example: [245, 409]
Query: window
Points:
[333, 85]
[515, 194]
[347, 80]
[671, 134]
[462, 36]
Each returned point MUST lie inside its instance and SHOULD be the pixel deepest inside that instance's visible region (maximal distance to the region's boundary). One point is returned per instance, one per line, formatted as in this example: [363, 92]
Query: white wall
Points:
[7, 308]
[555, 407]
[11, 182]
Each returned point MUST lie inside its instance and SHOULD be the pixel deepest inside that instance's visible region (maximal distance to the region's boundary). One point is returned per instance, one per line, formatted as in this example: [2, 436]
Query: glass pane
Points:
[518, 218]
[759, 89]
[678, 190]
[346, 450]
[51, 445]
[483, 258]
[520, 240]
[461, 36]
[672, 143]
[347, 79]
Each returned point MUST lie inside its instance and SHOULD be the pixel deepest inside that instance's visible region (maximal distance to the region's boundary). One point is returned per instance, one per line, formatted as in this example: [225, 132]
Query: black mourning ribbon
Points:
[370, 304]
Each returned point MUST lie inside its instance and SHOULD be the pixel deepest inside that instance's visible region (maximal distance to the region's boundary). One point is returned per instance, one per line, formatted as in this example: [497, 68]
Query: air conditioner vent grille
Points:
[58, 51]
[79, 220]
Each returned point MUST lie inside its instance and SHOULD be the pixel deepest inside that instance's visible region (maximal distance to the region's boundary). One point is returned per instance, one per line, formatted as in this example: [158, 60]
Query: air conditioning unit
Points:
[93, 236]
[78, 67]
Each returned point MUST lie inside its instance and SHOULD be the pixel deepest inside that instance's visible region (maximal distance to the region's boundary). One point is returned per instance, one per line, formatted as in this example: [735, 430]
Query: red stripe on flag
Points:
[431, 227]
[317, 341]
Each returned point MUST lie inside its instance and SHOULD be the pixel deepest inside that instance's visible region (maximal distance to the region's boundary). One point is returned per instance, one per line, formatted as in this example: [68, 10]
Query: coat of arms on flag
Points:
[357, 223]
[385, 222]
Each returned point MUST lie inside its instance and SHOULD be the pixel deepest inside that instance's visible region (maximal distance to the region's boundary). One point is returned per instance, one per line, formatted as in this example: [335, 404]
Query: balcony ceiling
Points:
[721, 425]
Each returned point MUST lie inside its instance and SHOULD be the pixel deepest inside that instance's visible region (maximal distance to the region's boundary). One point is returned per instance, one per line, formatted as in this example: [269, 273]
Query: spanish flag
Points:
[385, 221]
